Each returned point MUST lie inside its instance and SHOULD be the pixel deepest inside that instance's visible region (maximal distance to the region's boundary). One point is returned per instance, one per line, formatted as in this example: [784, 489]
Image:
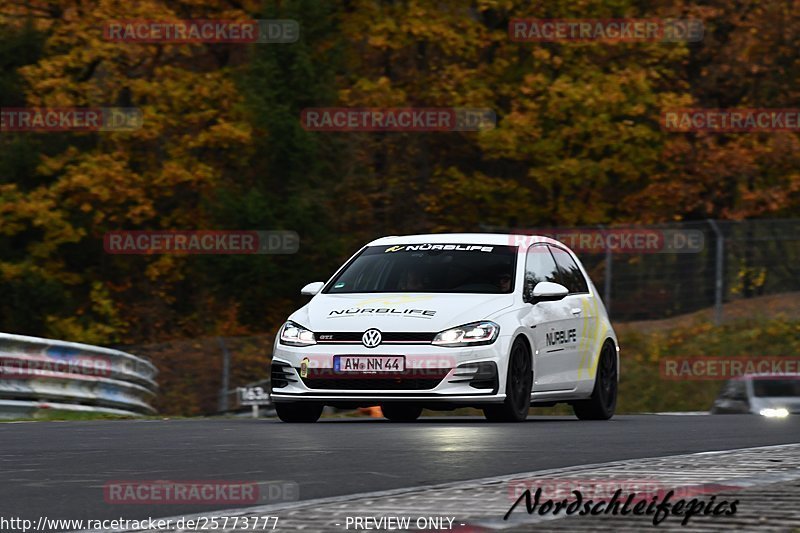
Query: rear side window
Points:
[570, 275]
[734, 390]
[539, 266]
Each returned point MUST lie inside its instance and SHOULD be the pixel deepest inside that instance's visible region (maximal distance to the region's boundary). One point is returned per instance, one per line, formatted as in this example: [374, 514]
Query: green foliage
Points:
[642, 389]
[577, 141]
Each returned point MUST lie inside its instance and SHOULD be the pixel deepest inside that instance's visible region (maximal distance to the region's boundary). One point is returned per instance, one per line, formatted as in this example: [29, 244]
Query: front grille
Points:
[416, 379]
[479, 375]
[389, 337]
[281, 375]
[372, 383]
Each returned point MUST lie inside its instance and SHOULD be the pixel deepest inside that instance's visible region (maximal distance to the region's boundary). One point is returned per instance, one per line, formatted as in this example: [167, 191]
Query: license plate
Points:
[369, 363]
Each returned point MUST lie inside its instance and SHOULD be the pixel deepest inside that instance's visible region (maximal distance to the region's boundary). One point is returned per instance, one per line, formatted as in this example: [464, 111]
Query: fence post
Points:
[226, 365]
[607, 282]
[607, 275]
[719, 272]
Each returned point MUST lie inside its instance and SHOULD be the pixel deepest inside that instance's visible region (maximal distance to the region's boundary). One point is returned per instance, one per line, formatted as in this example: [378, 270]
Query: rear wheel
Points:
[400, 412]
[298, 412]
[603, 401]
[518, 387]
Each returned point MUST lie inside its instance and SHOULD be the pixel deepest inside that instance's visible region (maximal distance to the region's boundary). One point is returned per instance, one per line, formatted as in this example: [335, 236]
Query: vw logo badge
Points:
[371, 338]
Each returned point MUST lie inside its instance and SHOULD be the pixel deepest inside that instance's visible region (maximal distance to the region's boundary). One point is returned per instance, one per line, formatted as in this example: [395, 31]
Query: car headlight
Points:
[780, 412]
[473, 334]
[296, 335]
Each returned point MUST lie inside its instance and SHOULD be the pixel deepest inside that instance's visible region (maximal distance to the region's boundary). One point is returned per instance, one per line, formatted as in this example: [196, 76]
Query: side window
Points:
[539, 266]
[569, 274]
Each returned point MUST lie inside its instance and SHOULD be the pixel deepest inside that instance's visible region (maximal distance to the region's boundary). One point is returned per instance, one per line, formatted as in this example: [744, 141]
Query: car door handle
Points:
[576, 310]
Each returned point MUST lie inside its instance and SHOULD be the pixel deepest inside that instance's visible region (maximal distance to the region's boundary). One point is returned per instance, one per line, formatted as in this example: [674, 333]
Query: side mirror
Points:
[547, 291]
[312, 288]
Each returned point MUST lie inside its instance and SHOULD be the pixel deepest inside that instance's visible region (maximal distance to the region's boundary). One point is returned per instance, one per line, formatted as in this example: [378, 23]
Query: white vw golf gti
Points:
[497, 322]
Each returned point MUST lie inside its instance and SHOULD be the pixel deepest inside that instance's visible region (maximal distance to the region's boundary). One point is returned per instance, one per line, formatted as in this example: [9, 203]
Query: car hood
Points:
[398, 312]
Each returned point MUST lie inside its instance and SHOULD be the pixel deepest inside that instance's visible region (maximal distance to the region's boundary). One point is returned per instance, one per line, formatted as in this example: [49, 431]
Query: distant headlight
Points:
[780, 412]
[473, 334]
[296, 335]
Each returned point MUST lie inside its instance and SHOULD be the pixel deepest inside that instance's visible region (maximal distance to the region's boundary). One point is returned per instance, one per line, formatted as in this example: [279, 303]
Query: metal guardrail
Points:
[39, 374]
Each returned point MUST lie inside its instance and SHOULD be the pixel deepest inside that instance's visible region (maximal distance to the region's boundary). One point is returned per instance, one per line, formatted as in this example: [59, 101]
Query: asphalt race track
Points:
[58, 469]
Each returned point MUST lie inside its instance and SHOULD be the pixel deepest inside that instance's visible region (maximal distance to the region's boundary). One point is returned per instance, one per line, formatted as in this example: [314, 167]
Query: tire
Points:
[603, 401]
[518, 387]
[400, 412]
[298, 412]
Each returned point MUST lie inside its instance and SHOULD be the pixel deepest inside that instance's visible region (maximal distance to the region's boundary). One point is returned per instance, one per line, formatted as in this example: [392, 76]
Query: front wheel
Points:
[518, 387]
[400, 412]
[603, 401]
[298, 412]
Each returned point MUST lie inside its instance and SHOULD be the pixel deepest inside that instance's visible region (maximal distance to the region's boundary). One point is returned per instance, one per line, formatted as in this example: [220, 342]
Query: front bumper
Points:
[433, 374]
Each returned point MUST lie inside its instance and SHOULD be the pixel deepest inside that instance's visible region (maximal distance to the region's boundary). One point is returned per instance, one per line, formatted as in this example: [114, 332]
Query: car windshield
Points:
[440, 268]
[776, 387]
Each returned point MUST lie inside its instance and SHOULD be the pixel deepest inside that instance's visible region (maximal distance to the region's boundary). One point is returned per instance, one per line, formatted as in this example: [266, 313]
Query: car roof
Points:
[496, 239]
[786, 375]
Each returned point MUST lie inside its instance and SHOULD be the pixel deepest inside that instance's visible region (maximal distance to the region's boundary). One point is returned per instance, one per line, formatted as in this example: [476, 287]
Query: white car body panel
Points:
[562, 372]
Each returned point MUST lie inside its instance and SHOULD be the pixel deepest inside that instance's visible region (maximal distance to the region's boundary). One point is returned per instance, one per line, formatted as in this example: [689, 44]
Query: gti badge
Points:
[371, 338]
